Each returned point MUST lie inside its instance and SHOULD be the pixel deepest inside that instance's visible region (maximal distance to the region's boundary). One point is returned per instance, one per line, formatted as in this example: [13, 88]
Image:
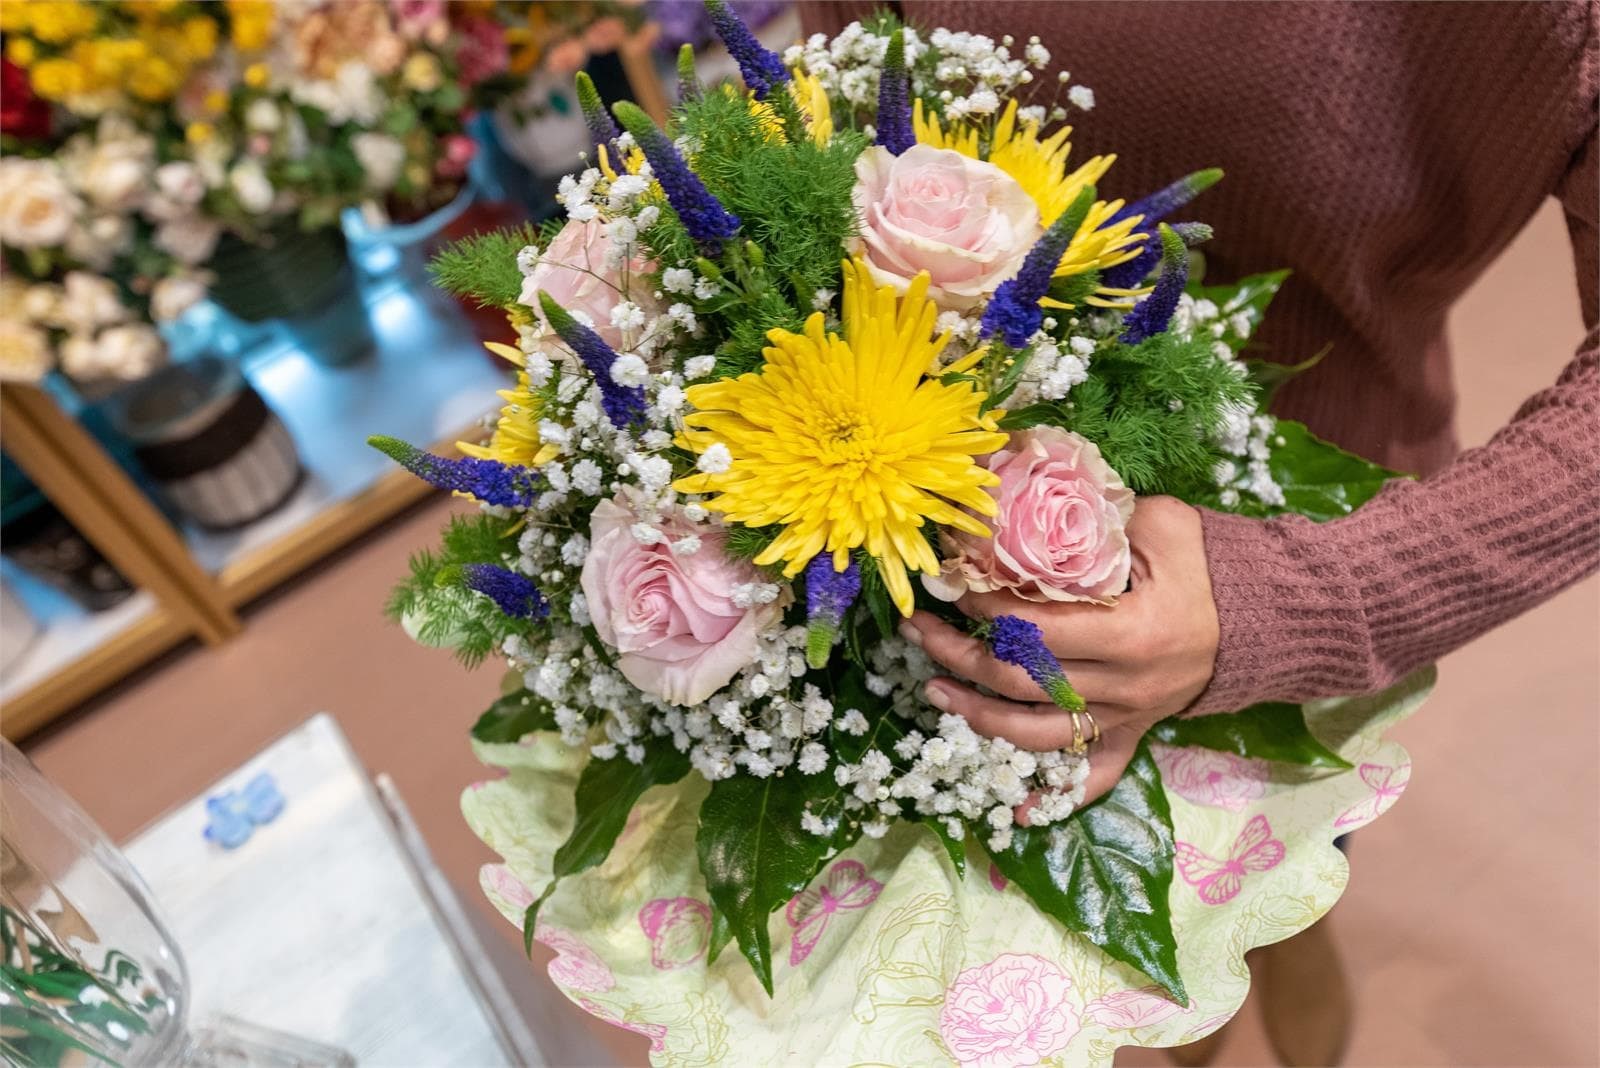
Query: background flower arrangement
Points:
[730, 462]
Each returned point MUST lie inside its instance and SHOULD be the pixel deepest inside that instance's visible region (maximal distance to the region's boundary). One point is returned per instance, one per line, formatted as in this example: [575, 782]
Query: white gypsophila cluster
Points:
[971, 75]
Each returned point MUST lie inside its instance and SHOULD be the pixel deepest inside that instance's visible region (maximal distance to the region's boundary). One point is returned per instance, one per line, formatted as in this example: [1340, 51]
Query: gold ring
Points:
[1093, 726]
[1078, 744]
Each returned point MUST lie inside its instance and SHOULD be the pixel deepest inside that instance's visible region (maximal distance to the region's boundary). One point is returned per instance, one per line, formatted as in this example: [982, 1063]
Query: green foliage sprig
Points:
[446, 613]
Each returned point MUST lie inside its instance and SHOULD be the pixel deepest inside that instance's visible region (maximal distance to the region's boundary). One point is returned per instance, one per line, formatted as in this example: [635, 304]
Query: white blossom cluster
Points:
[972, 76]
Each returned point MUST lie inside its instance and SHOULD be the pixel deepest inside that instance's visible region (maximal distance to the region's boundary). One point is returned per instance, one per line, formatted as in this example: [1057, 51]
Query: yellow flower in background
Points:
[58, 79]
[21, 51]
[198, 133]
[256, 75]
[844, 441]
[56, 21]
[198, 36]
[154, 79]
[1040, 167]
[422, 73]
[250, 24]
[516, 434]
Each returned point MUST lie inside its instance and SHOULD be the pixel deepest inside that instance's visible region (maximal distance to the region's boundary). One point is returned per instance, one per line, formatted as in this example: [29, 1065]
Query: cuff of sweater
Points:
[1291, 623]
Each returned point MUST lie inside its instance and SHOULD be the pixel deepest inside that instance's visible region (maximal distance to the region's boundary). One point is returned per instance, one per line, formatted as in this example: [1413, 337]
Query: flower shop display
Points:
[850, 340]
[171, 146]
[207, 439]
[44, 543]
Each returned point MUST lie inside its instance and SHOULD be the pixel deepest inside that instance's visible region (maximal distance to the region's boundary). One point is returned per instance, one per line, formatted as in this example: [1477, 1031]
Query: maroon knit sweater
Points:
[1386, 153]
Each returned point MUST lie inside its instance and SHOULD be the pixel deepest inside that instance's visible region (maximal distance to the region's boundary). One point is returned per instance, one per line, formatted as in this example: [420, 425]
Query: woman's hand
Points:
[1136, 662]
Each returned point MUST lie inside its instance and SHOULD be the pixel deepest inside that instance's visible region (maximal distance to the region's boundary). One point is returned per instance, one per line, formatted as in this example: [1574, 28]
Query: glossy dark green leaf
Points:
[1319, 481]
[1107, 872]
[607, 791]
[1274, 731]
[721, 935]
[955, 848]
[1268, 376]
[512, 717]
[755, 856]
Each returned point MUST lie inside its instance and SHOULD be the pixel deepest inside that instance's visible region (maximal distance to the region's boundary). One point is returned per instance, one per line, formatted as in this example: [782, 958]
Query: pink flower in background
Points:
[670, 615]
[574, 271]
[484, 52]
[846, 886]
[1210, 777]
[1060, 534]
[421, 19]
[679, 929]
[1127, 1009]
[458, 150]
[576, 966]
[1011, 1012]
[966, 222]
[498, 881]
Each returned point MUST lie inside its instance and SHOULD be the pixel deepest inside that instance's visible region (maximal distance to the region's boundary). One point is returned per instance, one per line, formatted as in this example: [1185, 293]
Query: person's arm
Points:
[1355, 604]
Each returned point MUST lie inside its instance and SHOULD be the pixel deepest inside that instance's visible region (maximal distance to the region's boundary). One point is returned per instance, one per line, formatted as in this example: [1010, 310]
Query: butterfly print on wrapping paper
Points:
[846, 886]
[1387, 782]
[679, 929]
[1219, 881]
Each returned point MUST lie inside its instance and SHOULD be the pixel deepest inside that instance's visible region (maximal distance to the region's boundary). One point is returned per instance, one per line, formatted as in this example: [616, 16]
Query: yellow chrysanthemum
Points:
[810, 98]
[516, 435]
[846, 443]
[1040, 167]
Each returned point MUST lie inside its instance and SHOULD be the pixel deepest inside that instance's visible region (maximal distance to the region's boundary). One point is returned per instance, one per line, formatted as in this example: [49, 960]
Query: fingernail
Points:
[936, 695]
[910, 633]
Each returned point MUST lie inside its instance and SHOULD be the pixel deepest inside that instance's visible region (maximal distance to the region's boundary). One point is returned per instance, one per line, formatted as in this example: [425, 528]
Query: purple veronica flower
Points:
[895, 131]
[1154, 208]
[707, 221]
[761, 68]
[513, 594]
[602, 129]
[1129, 274]
[1017, 641]
[1152, 314]
[489, 481]
[829, 594]
[624, 405]
[1014, 312]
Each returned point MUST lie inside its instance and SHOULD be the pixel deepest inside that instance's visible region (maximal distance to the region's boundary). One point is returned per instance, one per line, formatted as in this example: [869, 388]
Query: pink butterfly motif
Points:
[846, 886]
[1219, 881]
[1387, 783]
[679, 929]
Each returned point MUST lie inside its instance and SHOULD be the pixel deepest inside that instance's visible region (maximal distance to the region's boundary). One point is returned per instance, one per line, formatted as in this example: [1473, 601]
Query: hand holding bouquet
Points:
[855, 340]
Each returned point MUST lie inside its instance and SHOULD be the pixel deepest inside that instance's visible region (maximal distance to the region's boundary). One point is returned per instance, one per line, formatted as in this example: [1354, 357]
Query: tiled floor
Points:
[1470, 926]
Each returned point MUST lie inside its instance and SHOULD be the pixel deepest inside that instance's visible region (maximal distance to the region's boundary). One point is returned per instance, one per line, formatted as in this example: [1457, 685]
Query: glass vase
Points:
[89, 972]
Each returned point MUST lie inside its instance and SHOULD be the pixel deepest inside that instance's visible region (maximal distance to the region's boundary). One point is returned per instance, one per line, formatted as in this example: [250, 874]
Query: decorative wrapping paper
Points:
[890, 958]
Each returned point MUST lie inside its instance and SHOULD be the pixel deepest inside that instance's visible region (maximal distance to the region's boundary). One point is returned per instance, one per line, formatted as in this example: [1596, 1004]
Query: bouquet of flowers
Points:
[852, 339]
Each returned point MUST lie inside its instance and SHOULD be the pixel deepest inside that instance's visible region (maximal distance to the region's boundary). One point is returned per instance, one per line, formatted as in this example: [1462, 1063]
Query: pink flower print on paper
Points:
[996, 880]
[1219, 881]
[679, 929]
[846, 886]
[1209, 777]
[1127, 1009]
[1387, 783]
[576, 965]
[1011, 1012]
[656, 1033]
[498, 881]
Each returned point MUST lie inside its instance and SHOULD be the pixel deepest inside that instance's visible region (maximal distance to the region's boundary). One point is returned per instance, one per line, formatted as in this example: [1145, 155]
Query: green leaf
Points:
[607, 791]
[875, 595]
[511, 717]
[1251, 294]
[1274, 731]
[721, 935]
[1269, 376]
[755, 856]
[955, 848]
[1106, 872]
[1319, 481]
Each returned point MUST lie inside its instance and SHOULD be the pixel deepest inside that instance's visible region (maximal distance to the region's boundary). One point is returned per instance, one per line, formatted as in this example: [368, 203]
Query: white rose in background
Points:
[263, 116]
[125, 352]
[39, 303]
[89, 302]
[251, 187]
[173, 296]
[100, 240]
[180, 188]
[115, 173]
[381, 158]
[191, 239]
[24, 352]
[37, 207]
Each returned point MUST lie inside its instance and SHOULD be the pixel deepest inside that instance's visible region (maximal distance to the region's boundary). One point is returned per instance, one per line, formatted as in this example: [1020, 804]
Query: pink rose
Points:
[1210, 777]
[1010, 1012]
[484, 51]
[1126, 1010]
[671, 617]
[1059, 534]
[966, 222]
[574, 270]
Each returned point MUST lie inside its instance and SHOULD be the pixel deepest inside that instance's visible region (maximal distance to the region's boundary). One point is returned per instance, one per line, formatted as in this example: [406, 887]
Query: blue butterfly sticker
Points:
[233, 815]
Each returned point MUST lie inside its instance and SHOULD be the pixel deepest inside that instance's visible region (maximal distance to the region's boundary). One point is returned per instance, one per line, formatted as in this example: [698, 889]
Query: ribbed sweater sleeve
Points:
[1352, 605]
